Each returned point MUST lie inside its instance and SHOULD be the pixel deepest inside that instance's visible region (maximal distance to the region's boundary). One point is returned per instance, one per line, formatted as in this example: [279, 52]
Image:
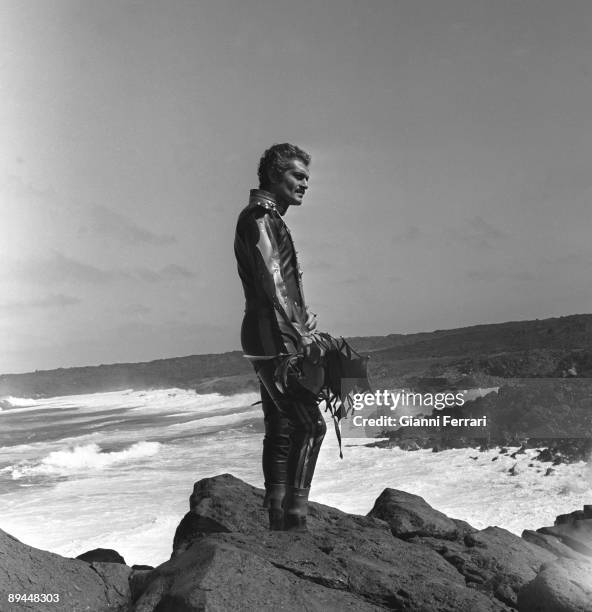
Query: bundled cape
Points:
[330, 369]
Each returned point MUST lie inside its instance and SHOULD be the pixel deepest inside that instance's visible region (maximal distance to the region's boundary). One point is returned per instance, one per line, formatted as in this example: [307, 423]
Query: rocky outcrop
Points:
[409, 515]
[79, 585]
[343, 562]
[103, 555]
[404, 555]
[563, 585]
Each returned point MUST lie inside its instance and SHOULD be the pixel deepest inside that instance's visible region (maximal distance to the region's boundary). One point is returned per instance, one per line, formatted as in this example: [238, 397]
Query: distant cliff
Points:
[481, 355]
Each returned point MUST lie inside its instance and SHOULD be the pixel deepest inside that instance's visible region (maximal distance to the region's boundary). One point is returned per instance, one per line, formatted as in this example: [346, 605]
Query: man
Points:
[277, 335]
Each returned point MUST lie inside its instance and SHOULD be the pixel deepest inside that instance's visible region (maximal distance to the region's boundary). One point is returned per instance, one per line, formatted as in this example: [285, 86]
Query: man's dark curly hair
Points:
[276, 160]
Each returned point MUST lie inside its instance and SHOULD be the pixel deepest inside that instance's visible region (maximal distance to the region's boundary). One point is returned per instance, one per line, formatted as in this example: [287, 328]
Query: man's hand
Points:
[311, 321]
[313, 353]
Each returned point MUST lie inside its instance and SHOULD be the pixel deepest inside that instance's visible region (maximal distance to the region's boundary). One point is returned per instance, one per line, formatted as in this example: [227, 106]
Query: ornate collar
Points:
[260, 197]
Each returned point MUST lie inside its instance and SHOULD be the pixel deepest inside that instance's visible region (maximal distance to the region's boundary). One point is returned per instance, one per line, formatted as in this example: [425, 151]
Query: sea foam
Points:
[84, 458]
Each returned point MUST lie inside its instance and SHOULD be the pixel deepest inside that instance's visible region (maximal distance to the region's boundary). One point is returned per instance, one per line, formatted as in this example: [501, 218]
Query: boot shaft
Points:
[296, 509]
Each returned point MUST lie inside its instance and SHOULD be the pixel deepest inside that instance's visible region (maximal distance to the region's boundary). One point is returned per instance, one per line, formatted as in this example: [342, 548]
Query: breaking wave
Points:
[83, 458]
[8, 402]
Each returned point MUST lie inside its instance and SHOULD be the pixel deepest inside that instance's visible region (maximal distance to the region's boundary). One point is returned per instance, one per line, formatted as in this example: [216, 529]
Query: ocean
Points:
[115, 470]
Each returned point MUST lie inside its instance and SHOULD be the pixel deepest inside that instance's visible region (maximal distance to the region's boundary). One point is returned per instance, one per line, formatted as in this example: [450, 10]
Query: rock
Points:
[552, 544]
[574, 530]
[220, 505]
[138, 581]
[571, 518]
[564, 585]
[404, 555]
[577, 537]
[409, 515]
[546, 455]
[104, 555]
[218, 575]
[80, 586]
[493, 560]
[225, 558]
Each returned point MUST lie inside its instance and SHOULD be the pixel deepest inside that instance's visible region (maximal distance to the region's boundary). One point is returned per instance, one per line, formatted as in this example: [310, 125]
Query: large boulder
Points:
[564, 585]
[410, 515]
[343, 562]
[493, 560]
[218, 575]
[574, 530]
[79, 585]
[552, 544]
[102, 555]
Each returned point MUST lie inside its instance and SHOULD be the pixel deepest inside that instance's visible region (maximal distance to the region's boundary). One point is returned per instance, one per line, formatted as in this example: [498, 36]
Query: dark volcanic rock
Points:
[218, 575]
[220, 505]
[343, 562]
[103, 555]
[552, 544]
[564, 585]
[98, 587]
[409, 515]
[573, 530]
[492, 560]
[403, 556]
[577, 539]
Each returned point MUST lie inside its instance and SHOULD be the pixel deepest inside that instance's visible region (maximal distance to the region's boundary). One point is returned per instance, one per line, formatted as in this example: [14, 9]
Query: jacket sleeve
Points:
[290, 316]
[269, 266]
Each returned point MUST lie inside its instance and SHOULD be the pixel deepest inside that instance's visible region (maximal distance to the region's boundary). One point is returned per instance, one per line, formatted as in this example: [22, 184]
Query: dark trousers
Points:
[294, 431]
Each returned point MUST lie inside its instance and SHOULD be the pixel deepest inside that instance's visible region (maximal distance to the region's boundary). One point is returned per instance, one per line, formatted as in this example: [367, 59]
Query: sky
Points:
[451, 175]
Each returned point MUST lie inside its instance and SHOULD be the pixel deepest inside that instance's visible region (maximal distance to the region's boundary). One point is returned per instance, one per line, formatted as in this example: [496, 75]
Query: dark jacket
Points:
[275, 312]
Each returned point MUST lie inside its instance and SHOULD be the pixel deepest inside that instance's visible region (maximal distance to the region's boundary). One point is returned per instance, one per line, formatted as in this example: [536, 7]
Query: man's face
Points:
[292, 184]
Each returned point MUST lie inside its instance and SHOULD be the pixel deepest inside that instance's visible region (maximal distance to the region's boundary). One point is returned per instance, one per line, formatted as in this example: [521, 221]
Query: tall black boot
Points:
[274, 502]
[296, 509]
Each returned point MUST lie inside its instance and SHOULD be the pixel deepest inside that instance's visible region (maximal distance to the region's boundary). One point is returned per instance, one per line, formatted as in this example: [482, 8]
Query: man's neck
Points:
[282, 207]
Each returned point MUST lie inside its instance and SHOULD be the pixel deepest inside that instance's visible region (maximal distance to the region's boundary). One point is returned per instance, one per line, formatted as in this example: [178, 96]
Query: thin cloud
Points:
[174, 271]
[411, 234]
[60, 268]
[167, 273]
[570, 259]
[109, 222]
[136, 309]
[490, 275]
[479, 233]
[58, 300]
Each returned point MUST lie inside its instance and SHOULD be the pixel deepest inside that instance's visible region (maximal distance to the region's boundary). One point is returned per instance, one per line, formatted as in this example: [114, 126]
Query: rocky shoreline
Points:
[555, 452]
[404, 555]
